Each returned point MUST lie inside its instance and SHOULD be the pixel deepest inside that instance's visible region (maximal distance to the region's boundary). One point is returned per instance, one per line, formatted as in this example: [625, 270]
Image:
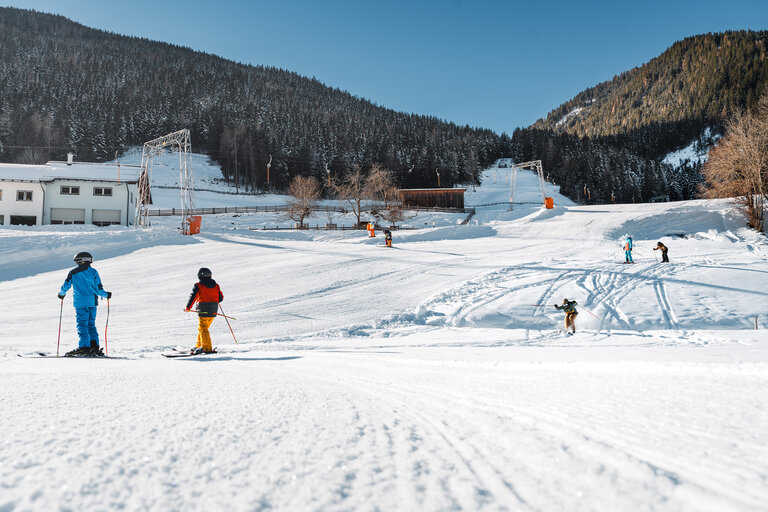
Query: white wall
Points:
[123, 198]
[10, 206]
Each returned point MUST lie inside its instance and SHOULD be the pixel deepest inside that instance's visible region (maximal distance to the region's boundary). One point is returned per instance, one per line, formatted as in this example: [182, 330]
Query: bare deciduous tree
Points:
[380, 186]
[31, 156]
[393, 210]
[303, 191]
[353, 190]
[738, 165]
[378, 183]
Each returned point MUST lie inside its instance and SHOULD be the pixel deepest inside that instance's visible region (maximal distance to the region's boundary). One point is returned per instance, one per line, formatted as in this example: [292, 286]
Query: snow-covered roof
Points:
[76, 171]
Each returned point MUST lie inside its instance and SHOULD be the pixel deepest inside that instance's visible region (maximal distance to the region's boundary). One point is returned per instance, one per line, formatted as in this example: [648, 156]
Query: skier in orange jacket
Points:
[207, 294]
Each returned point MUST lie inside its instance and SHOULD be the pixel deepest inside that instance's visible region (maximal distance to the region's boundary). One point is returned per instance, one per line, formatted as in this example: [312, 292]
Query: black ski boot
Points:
[79, 352]
[96, 350]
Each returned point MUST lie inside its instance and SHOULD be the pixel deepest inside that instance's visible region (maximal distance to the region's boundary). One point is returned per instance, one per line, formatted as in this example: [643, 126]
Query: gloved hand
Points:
[109, 295]
[60, 296]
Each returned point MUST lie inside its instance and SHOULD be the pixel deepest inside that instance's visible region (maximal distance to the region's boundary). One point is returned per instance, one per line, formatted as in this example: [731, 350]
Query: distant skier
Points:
[664, 249]
[628, 249]
[87, 287]
[569, 307]
[371, 227]
[207, 294]
[387, 238]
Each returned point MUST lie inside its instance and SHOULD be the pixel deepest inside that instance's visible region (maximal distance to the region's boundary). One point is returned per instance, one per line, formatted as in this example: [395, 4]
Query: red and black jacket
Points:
[207, 294]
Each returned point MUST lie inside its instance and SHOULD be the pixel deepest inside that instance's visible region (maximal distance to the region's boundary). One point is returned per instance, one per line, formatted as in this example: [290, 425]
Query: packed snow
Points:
[433, 375]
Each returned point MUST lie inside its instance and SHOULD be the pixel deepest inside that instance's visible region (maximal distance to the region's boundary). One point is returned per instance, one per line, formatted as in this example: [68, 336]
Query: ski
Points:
[178, 353]
[44, 355]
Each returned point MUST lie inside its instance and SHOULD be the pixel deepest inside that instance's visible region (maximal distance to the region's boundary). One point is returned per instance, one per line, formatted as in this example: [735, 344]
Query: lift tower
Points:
[177, 141]
[536, 165]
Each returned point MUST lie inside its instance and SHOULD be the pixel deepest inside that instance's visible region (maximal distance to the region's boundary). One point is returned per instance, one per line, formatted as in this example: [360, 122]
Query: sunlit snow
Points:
[430, 376]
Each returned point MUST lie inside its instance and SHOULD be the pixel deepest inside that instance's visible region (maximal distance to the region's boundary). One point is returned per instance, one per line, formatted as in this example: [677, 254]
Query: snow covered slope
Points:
[429, 376]
[211, 190]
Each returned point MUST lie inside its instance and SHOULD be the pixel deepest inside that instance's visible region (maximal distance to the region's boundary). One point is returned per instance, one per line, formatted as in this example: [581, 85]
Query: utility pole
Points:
[269, 164]
[118, 167]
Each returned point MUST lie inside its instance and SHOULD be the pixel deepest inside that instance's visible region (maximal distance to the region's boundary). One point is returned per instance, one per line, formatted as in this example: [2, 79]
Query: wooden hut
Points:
[433, 197]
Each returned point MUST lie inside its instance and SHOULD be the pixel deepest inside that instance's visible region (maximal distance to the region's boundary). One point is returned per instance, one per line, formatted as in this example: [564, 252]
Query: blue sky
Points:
[494, 64]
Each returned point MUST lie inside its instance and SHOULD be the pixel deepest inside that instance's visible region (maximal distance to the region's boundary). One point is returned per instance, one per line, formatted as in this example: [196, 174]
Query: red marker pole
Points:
[58, 342]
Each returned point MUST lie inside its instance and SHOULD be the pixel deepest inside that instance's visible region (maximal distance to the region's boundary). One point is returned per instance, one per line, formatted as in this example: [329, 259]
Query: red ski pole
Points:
[217, 314]
[106, 350]
[588, 311]
[230, 327]
[58, 341]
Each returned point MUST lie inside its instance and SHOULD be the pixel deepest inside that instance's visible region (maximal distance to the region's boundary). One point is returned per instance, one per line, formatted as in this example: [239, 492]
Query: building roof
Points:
[62, 171]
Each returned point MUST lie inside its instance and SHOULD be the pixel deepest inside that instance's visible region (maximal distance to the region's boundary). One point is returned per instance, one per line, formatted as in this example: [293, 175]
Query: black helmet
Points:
[83, 257]
[203, 272]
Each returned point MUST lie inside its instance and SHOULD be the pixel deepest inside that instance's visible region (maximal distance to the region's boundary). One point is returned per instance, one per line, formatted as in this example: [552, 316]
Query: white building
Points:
[68, 193]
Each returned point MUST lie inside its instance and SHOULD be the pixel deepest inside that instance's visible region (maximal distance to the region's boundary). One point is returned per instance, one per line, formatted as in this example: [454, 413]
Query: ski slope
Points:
[422, 377]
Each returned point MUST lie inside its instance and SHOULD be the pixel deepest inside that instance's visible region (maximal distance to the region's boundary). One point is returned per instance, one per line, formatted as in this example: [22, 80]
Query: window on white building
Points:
[70, 191]
[23, 195]
[1, 194]
[102, 191]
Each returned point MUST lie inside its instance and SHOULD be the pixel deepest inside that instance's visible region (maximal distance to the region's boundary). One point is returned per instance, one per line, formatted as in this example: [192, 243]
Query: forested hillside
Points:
[663, 105]
[64, 86]
[610, 139]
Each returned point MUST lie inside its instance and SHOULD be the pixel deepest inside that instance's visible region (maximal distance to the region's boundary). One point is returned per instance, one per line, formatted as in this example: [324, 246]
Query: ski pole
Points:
[61, 311]
[588, 311]
[106, 349]
[217, 314]
[230, 327]
[655, 255]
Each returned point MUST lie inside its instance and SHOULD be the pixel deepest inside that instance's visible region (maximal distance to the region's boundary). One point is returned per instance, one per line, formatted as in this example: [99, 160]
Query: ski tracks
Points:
[432, 460]
[608, 289]
[495, 438]
[482, 301]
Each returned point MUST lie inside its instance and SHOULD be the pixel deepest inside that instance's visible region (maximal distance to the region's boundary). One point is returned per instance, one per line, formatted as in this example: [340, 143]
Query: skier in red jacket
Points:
[207, 294]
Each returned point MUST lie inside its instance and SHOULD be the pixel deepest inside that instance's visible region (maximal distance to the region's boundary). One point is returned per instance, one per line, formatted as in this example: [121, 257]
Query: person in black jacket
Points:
[569, 307]
[664, 249]
[207, 294]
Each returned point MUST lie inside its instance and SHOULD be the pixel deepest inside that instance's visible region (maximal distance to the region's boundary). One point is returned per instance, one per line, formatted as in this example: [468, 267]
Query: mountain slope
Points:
[664, 104]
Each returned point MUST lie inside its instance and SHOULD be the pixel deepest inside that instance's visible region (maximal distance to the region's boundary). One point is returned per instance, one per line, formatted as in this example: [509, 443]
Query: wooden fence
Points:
[168, 212]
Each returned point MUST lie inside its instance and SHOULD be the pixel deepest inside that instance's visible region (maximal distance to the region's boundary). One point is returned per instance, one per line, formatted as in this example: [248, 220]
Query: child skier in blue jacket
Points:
[87, 287]
[628, 249]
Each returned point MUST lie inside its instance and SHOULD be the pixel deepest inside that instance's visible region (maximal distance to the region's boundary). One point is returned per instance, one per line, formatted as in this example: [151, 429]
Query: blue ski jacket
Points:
[87, 286]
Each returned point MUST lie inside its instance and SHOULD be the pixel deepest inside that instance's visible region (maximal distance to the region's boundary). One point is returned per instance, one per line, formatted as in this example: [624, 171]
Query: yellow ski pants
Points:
[203, 337]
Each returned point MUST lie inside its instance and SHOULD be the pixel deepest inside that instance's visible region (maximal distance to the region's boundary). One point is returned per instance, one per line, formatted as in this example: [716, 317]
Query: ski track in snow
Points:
[432, 377]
